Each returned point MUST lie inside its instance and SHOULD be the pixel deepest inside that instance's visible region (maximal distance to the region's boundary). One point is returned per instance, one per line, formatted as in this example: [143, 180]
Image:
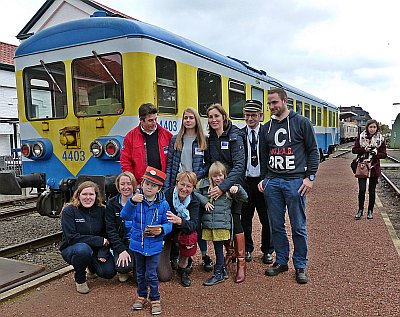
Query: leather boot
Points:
[184, 276]
[241, 262]
[359, 214]
[370, 214]
[230, 253]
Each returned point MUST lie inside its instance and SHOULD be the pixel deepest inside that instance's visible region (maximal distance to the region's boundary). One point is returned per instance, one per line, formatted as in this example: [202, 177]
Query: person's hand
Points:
[260, 186]
[137, 197]
[306, 187]
[123, 259]
[154, 231]
[234, 189]
[105, 242]
[209, 207]
[215, 193]
[174, 218]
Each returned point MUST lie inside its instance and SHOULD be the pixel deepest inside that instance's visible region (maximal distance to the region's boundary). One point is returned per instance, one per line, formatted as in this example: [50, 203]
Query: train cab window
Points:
[237, 99]
[166, 85]
[319, 117]
[290, 104]
[209, 90]
[45, 93]
[299, 107]
[307, 110]
[97, 85]
[313, 115]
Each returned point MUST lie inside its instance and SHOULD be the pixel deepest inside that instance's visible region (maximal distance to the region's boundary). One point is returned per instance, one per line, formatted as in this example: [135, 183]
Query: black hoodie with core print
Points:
[291, 147]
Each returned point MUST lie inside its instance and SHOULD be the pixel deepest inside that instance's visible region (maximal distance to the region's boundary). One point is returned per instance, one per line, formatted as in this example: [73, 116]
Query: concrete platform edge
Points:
[32, 284]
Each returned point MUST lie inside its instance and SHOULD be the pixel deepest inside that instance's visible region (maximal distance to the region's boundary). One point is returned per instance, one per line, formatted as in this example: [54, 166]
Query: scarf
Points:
[181, 207]
[376, 140]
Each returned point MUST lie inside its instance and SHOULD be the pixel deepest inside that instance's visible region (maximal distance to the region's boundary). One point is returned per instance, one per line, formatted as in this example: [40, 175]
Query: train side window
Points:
[313, 115]
[307, 110]
[290, 104]
[237, 99]
[166, 85]
[299, 107]
[97, 85]
[209, 90]
[45, 93]
[258, 94]
[319, 117]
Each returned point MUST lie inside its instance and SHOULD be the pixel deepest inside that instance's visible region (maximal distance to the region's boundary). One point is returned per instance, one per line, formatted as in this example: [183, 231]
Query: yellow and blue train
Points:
[80, 84]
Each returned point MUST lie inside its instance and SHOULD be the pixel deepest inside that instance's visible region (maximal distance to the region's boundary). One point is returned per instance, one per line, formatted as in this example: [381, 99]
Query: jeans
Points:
[80, 255]
[146, 275]
[280, 194]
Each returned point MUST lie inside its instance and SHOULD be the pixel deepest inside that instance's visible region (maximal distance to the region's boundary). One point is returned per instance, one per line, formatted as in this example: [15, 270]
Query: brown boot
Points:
[241, 262]
[230, 253]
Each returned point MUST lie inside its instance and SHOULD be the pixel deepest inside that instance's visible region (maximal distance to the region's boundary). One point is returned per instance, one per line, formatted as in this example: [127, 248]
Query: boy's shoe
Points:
[123, 277]
[82, 288]
[139, 303]
[155, 307]
[90, 275]
[207, 263]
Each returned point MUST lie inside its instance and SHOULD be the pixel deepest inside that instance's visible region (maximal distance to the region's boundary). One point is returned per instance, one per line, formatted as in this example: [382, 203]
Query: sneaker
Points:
[301, 276]
[82, 288]
[123, 277]
[207, 263]
[90, 275]
[155, 307]
[139, 303]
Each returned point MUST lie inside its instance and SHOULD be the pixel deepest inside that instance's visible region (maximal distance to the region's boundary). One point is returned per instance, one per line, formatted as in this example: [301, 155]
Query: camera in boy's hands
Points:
[152, 231]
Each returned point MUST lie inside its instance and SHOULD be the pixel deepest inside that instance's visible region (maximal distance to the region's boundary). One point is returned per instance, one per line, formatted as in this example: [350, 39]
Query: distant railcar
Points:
[80, 84]
[348, 131]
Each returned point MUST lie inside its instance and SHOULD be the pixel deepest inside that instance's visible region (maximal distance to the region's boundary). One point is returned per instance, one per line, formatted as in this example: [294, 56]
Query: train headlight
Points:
[96, 148]
[26, 150]
[111, 148]
[38, 149]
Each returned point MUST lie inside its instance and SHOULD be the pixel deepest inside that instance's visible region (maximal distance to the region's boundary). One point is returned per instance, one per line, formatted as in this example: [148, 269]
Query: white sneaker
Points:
[123, 277]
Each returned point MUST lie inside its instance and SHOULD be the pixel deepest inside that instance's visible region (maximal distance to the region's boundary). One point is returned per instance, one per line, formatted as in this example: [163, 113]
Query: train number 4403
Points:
[74, 155]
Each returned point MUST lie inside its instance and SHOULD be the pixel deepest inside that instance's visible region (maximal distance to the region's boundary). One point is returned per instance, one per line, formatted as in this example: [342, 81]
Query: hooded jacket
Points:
[291, 147]
[144, 214]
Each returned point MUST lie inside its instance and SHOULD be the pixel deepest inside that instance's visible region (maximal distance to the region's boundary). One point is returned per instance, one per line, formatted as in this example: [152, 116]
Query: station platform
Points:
[354, 270]
[12, 271]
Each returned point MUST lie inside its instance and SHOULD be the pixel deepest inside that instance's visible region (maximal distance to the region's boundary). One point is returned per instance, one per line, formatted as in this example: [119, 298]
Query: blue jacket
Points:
[144, 214]
[174, 161]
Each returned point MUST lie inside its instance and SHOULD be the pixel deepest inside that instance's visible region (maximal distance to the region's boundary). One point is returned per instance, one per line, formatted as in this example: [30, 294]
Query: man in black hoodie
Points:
[293, 159]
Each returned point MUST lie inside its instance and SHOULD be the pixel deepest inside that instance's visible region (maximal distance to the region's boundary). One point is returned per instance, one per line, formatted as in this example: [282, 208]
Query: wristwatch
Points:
[311, 177]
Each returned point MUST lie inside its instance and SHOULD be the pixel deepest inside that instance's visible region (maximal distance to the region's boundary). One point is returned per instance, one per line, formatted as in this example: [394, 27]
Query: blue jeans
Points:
[280, 194]
[146, 275]
[80, 255]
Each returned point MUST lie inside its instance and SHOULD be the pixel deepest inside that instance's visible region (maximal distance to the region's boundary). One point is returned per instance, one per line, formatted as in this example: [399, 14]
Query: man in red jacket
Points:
[145, 145]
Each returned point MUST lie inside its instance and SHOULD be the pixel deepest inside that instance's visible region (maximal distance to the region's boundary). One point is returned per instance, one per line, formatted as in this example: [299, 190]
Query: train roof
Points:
[100, 28]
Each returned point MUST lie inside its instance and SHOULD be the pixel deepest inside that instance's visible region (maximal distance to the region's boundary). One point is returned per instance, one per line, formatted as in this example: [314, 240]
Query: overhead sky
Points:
[346, 52]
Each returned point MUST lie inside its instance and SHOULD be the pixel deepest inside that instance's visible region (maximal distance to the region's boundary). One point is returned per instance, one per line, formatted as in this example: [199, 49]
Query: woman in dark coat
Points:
[369, 146]
[225, 144]
[184, 216]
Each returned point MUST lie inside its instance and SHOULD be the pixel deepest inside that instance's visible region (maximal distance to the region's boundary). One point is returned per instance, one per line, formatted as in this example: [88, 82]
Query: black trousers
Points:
[362, 188]
[256, 201]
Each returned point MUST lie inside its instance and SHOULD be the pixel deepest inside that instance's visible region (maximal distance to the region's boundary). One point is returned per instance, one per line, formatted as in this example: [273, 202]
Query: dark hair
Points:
[371, 121]
[146, 109]
[222, 111]
[281, 93]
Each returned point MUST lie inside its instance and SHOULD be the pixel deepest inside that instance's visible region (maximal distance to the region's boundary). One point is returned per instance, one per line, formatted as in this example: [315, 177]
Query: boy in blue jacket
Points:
[147, 210]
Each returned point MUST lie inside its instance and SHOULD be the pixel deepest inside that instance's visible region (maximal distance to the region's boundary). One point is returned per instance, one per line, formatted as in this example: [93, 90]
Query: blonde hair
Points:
[130, 176]
[190, 175]
[201, 139]
[216, 168]
[87, 184]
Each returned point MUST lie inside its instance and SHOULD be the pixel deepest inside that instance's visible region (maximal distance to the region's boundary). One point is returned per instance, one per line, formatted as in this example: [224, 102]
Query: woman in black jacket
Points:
[184, 216]
[84, 242]
[225, 144]
[119, 231]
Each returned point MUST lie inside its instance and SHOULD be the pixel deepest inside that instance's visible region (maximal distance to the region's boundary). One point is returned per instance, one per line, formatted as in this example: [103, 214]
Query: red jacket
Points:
[133, 153]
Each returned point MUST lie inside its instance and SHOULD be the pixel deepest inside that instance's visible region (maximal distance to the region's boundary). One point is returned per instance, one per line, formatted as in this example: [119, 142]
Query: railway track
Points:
[11, 208]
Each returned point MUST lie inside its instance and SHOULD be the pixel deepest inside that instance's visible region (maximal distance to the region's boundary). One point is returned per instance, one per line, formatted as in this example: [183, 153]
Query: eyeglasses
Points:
[251, 115]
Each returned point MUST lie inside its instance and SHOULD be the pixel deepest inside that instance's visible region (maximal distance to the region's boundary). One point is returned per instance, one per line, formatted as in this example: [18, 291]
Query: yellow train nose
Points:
[67, 139]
